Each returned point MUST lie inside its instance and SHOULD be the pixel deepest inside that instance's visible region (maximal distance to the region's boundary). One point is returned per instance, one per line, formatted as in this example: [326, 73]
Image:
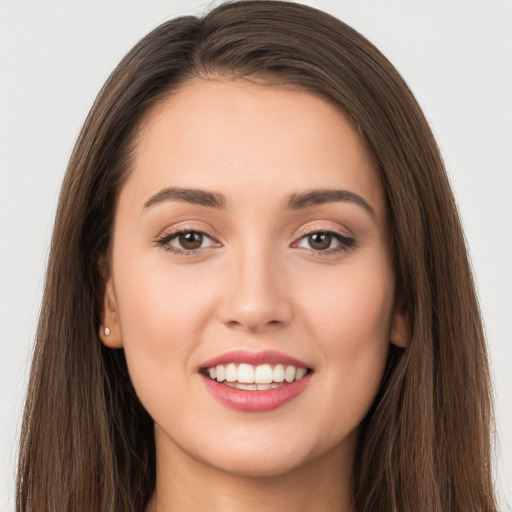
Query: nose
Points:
[255, 297]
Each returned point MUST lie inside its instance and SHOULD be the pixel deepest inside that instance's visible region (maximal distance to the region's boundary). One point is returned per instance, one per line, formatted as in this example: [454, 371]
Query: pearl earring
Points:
[106, 331]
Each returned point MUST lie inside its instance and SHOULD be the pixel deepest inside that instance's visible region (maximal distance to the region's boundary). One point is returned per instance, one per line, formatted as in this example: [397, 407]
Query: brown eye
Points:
[187, 242]
[320, 241]
[190, 240]
[325, 243]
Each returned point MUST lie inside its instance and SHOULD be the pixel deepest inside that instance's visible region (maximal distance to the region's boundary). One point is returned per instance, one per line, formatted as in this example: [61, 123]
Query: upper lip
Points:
[254, 358]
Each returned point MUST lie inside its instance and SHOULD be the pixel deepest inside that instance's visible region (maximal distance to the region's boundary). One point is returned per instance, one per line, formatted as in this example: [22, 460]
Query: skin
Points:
[256, 284]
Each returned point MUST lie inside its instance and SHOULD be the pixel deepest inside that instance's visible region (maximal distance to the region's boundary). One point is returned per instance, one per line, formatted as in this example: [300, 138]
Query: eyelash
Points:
[164, 240]
[346, 243]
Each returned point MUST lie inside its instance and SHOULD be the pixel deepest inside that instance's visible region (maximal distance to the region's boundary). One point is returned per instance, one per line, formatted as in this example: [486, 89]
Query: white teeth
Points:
[221, 373]
[300, 373]
[289, 374]
[261, 377]
[279, 373]
[245, 373]
[240, 385]
[231, 372]
[263, 374]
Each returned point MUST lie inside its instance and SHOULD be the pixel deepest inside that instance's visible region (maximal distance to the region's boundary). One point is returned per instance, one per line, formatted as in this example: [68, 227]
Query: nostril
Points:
[253, 325]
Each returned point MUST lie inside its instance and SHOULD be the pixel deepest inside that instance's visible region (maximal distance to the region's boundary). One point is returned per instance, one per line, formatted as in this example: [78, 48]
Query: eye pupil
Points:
[191, 240]
[320, 241]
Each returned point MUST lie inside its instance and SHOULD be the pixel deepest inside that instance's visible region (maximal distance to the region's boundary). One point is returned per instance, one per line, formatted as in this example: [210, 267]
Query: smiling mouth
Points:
[255, 378]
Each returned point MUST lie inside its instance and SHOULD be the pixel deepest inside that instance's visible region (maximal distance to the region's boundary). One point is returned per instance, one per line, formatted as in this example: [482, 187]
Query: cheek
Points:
[350, 304]
[162, 315]
[350, 322]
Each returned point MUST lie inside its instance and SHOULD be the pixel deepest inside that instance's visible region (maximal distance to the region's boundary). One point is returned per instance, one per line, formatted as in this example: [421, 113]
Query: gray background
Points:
[55, 54]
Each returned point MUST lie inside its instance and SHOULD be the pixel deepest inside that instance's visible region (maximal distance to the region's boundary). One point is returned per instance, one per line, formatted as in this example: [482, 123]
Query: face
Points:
[250, 245]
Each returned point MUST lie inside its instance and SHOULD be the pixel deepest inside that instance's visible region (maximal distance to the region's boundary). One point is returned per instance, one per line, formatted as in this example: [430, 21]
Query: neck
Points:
[184, 483]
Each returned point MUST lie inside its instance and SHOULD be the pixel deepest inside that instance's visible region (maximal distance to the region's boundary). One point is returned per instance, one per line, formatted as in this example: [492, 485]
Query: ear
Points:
[110, 332]
[399, 335]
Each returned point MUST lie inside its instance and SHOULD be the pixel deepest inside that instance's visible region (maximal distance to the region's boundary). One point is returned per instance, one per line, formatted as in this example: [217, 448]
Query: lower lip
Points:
[255, 401]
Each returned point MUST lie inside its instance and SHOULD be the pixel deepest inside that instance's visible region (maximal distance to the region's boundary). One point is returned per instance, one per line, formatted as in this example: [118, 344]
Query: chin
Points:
[264, 452]
[250, 465]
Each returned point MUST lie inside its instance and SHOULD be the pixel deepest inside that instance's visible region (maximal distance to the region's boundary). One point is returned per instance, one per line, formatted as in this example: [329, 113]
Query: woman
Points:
[258, 295]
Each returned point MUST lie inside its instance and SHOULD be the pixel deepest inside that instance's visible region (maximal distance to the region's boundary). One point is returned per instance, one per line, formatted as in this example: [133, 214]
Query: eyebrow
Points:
[295, 201]
[317, 197]
[188, 195]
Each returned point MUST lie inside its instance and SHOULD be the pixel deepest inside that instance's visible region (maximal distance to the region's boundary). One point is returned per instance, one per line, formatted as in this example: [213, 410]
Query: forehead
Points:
[236, 137]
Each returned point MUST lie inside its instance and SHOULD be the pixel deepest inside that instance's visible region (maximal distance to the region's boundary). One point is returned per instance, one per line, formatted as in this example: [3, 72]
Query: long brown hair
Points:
[87, 442]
